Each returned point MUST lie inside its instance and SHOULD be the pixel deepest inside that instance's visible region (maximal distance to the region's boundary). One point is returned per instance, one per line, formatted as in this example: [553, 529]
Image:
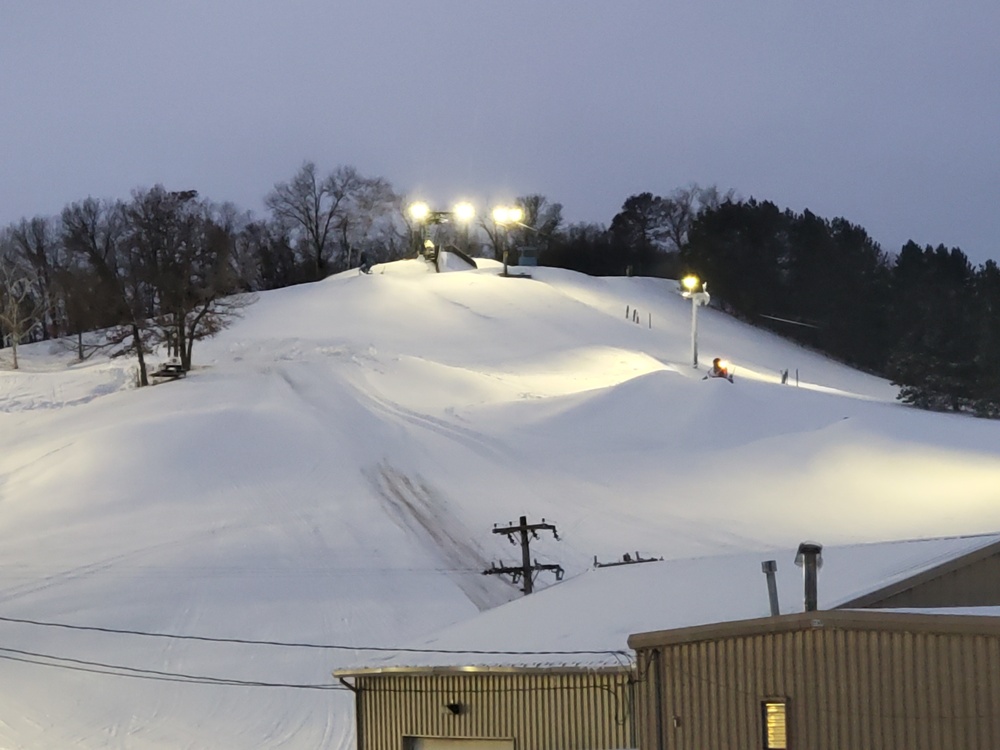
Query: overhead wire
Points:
[154, 675]
[622, 658]
[118, 670]
[327, 646]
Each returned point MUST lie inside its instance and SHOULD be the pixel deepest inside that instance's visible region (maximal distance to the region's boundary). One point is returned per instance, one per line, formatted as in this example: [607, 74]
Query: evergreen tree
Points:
[932, 319]
[837, 281]
[987, 358]
[641, 231]
[586, 248]
[740, 248]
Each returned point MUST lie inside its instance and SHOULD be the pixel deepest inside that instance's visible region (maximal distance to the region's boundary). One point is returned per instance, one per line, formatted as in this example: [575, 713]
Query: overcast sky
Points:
[886, 112]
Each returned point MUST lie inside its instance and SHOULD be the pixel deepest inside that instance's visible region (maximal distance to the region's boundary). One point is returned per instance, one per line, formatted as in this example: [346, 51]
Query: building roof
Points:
[964, 620]
[585, 622]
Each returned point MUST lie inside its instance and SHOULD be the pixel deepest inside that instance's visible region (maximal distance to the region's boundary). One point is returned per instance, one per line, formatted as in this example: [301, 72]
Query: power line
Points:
[113, 671]
[117, 670]
[786, 320]
[329, 646]
[24, 571]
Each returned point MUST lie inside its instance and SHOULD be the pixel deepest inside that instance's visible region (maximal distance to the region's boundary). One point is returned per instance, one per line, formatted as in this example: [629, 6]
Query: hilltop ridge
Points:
[331, 469]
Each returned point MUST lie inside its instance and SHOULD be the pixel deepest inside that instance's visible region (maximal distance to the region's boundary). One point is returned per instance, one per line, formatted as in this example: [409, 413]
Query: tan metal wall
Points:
[845, 688]
[585, 711]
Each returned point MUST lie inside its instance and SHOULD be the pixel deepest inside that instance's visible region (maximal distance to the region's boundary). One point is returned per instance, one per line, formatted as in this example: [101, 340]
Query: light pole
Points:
[423, 216]
[504, 216]
[420, 214]
[464, 214]
[698, 298]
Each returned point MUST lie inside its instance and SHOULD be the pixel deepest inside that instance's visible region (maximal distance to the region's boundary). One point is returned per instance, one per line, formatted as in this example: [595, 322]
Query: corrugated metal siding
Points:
[973, 585]
[587, 711]
[845, 689]
[646, 700]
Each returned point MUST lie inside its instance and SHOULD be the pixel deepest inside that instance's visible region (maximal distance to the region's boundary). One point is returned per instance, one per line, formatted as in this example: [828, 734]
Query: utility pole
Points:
[526, 570]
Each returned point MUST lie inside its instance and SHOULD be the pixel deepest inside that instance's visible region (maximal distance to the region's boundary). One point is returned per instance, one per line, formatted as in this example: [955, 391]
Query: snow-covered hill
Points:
[330, 472]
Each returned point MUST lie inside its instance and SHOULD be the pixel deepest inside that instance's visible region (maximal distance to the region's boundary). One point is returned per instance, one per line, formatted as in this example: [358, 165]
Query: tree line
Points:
[925, 317]
[168, 268]
[156, 270]
[165, 268]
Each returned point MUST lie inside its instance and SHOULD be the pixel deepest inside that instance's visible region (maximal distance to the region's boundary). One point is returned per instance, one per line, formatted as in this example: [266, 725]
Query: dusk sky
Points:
[885, 113]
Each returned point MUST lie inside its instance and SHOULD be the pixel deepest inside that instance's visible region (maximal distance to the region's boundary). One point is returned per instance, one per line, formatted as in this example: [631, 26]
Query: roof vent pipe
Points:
[810, 559]
[769, 567]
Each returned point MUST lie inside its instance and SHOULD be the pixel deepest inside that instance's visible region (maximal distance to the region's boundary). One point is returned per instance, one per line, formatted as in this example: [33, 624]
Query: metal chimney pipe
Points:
[810, 559]
[769, 567]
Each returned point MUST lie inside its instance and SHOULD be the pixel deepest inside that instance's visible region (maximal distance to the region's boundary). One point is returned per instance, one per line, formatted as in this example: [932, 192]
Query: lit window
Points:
[775, 733]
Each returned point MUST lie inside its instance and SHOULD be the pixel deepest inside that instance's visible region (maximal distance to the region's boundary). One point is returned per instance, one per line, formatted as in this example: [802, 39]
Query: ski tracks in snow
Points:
[471, 439]
[424, 514]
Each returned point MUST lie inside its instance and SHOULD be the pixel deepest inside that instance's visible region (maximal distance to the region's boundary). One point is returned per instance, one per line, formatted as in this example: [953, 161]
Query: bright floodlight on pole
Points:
[420, 214]
[691, 283]
[504, 216]
[419, 211]
[425, 217]
[464, 212]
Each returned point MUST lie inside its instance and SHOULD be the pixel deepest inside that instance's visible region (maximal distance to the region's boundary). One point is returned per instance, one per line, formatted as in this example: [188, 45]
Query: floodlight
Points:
[419, 211]
[464, 212]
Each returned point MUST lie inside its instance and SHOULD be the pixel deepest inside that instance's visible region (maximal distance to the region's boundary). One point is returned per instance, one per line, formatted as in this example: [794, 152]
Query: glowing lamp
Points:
[508, 215]
[419, 211]
[464, 212]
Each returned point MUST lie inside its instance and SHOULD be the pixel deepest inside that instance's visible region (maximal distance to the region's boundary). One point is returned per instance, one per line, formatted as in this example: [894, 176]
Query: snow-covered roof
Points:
[586, 621]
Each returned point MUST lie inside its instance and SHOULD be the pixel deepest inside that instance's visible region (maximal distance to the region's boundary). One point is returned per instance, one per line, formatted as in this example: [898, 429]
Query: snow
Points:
[330, 472]
[590, 617]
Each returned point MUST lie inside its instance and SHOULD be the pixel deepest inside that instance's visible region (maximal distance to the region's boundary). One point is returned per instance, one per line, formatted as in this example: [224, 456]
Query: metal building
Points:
[822, 681]
[970, 579]
[501, 708]
[551, 671]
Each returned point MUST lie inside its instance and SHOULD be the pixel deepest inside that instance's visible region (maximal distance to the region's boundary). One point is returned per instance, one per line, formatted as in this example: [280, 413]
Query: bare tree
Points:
[367, 219]
[311, 206]
[681, 208]
[184, 247]
[496, 236]
[82, 304]
[263, 257]
[539, 222]
[215, 296]
[20, 301]
[244, 259]
[36, 241]
[96, 232]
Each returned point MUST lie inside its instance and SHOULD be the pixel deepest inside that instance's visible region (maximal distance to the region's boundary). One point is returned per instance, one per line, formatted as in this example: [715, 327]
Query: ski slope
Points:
[330, 471]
